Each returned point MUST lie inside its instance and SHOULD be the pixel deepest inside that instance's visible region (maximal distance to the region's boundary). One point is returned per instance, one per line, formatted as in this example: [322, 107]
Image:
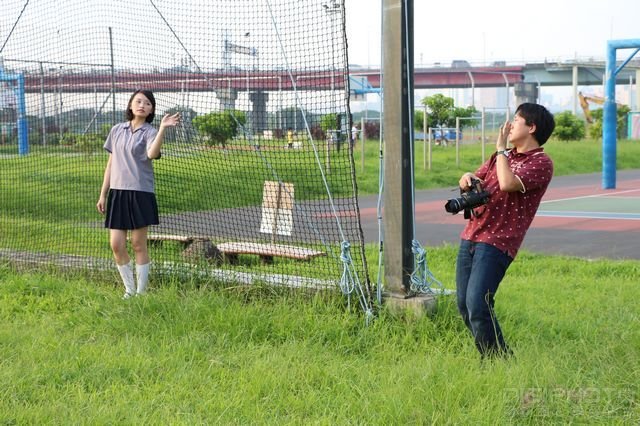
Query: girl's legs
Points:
[139, 244]
[118, 242]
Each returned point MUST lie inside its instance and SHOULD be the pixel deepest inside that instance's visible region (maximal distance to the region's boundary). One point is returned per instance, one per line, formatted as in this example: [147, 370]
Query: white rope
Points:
[349, 282]
[422, 279]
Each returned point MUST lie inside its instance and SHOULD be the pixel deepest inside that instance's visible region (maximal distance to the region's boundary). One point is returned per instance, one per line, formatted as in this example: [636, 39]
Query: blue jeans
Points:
[479, 270]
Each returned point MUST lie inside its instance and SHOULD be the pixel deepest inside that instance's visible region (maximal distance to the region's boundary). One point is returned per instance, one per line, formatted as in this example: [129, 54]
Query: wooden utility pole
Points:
[398, 164]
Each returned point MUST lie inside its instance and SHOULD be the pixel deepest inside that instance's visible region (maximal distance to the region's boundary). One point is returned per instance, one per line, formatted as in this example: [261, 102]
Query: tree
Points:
[329, 122]
[220, 126]
[568, 126]
[442, 113]
[440, 109]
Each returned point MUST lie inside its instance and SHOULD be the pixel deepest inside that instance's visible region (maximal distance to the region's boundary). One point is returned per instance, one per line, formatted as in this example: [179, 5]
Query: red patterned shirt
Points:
[505, 219]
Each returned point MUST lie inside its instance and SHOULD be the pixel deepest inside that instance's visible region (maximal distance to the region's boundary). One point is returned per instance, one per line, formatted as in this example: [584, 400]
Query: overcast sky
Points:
[496, 30]
[445, 30]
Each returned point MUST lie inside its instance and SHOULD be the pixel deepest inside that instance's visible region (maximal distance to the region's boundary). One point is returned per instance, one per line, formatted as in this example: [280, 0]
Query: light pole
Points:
[332, 8]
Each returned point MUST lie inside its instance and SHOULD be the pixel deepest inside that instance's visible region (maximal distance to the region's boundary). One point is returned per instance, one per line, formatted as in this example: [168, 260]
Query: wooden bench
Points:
[231, 250]
[266, 252]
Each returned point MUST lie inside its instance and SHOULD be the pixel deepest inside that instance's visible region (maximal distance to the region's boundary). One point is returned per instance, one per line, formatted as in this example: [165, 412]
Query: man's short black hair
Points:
[541, 117]
[149, 95]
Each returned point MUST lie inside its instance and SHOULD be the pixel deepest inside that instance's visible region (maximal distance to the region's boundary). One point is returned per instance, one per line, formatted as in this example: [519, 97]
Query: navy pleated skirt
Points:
[131, 209]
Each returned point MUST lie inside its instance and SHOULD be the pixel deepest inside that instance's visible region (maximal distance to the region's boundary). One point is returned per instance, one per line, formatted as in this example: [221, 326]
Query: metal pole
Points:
[21, 109]
[280, 102]
[113, 78]
[473, 89]
[609, 111]
[483, 121]
[429, 145]
[457, 141]
[424, 137]
[95, 100]
[574, 86]
[60, 104]
[43, 109]
[637, 90]
[631, 92]
[328, 153]
[506, 81]
[362, 140]
[609, 122]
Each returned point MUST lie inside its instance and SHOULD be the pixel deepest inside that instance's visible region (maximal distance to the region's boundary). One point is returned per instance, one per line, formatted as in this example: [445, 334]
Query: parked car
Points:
[447, 134]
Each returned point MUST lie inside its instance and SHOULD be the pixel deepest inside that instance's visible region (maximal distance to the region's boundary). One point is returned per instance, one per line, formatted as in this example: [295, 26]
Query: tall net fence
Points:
[256, 183]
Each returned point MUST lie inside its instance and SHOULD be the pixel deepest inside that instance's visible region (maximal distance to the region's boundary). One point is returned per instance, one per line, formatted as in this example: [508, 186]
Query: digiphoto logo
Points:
[549, 401]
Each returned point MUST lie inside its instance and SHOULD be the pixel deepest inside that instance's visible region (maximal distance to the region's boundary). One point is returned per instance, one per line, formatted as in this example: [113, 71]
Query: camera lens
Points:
[453, 206]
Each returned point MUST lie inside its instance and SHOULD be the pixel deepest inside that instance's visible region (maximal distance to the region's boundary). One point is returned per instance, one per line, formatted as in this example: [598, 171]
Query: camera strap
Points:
[470, 212]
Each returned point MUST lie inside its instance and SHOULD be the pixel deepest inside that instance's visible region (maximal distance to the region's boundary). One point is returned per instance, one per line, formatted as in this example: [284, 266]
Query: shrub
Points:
[317, 133]
[89, 143]
[329, 122]
[278, 133]
[568, 127]
[220, 126]
[372, 129]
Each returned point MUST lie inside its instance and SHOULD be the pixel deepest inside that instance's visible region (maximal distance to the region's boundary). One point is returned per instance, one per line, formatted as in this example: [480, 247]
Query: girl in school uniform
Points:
[127, 197]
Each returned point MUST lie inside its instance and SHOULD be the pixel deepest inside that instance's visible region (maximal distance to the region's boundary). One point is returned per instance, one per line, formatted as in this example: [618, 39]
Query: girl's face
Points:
[141, 106]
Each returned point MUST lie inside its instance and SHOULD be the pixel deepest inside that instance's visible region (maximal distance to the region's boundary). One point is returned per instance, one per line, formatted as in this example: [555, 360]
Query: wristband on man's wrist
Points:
[502, 152]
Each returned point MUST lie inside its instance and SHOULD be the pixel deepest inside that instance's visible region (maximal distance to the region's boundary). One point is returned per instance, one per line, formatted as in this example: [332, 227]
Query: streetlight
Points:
[332, 8]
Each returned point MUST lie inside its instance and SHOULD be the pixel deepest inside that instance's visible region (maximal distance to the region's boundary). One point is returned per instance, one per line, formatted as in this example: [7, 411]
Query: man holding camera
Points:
[516, 180]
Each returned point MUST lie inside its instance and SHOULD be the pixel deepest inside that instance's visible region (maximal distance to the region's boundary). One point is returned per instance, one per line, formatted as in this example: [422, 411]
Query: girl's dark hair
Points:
[149, 95]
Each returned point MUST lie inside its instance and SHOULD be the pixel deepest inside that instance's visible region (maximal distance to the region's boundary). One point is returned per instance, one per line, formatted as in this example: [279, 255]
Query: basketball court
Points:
[576, 218]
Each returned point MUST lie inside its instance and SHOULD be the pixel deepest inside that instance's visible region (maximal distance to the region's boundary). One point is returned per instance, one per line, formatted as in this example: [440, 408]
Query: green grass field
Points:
[199, 352]
[73, 352]
[570, 158]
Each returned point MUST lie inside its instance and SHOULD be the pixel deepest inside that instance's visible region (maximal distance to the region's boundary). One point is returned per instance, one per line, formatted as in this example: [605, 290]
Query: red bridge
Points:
[547, 73]
[252, 80]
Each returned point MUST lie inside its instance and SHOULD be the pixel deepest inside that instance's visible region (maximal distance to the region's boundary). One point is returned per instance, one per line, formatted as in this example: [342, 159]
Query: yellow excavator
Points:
[584, 103]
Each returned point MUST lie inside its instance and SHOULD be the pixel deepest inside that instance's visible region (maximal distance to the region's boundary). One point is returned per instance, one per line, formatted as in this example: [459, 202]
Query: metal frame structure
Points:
[17, 81]
[609, 127]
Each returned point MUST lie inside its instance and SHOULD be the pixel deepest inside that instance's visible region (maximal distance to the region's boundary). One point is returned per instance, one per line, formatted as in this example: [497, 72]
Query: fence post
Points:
[362, 140]
[457, 141]
[424, 138]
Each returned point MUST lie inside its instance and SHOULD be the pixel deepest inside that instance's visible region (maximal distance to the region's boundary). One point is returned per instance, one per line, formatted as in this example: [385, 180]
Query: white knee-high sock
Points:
[142, 272]
[126, 272]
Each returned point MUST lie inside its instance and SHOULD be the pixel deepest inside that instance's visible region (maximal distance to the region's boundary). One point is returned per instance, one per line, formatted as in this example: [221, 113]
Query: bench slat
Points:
[262, 249]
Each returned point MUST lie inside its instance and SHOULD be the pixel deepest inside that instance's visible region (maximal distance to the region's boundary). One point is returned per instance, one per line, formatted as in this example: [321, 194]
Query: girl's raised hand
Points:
[170, 120]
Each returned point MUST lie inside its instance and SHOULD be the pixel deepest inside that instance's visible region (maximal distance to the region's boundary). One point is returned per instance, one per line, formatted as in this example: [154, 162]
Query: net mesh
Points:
[273, 72]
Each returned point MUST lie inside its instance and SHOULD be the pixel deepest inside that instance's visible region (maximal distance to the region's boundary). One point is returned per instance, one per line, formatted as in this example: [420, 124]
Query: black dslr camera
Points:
[475, 196]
